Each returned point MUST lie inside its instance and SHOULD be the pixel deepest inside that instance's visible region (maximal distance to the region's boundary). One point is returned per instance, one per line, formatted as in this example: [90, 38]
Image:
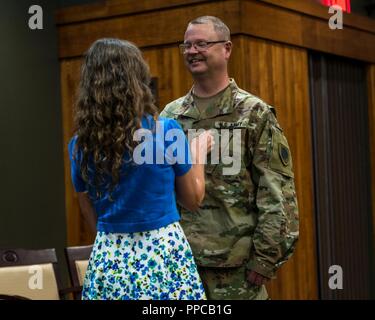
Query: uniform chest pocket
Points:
[227, 156]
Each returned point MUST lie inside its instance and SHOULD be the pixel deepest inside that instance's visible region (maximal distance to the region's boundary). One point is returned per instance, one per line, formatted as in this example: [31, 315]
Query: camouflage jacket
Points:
[250, 217]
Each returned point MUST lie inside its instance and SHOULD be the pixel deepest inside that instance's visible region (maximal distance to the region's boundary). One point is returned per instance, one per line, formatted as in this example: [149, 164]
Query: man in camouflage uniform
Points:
[247, 226]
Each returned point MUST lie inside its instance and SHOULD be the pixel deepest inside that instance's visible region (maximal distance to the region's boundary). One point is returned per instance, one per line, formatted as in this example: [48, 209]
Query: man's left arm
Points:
[277, 229]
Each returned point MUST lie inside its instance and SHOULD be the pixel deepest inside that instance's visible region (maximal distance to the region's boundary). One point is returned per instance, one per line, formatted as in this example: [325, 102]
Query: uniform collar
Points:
[223, 106]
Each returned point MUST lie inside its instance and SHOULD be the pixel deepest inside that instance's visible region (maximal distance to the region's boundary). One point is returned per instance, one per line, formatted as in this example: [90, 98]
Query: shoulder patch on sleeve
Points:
[284, 154]
[281, 160]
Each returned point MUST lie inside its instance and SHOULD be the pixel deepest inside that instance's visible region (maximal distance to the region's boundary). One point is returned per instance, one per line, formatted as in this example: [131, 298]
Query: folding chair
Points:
[78, 259]
[30, 274]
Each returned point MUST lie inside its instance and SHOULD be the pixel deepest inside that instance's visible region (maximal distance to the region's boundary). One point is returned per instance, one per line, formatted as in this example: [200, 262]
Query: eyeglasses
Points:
[199, 46]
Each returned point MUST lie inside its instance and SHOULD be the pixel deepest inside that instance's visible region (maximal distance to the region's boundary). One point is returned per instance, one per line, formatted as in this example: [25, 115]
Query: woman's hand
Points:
[190, 188]
[201, 146]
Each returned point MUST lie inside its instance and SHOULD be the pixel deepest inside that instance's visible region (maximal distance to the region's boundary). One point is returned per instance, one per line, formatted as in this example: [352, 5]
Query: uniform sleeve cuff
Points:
[264, 268]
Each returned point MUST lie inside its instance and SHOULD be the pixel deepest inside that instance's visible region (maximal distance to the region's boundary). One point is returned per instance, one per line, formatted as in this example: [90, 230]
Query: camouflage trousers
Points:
[230, 284]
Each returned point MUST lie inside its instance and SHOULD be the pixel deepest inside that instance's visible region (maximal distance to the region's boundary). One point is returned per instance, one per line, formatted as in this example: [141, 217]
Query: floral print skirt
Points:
[156, 264]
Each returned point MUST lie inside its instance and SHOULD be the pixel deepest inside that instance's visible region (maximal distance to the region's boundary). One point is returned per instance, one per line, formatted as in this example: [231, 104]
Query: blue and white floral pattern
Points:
[156, 264]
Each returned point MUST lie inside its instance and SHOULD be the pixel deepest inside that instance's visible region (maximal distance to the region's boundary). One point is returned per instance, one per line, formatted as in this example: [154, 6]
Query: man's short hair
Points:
[220, 27]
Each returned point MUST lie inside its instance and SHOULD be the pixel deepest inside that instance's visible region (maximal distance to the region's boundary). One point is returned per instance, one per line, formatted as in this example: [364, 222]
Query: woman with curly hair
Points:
[140, 250]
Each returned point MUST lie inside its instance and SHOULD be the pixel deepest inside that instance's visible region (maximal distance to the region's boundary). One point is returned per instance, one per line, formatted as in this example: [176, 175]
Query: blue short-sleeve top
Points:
[144, 199]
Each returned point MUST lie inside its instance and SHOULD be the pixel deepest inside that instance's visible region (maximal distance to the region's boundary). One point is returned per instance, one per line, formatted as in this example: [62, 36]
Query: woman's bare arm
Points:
[190, 188]
[87, 210]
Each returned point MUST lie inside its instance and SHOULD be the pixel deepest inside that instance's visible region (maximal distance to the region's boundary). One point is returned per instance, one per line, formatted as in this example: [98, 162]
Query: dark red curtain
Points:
[344, 4]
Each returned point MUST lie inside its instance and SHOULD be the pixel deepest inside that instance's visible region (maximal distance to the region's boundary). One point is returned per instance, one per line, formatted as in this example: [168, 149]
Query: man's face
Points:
[213, 59]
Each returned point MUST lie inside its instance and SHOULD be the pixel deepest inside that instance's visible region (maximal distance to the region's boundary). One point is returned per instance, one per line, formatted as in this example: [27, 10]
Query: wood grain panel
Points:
[144, 29]
[263, 19]
[113, 8]
[294, 28]
[167, 65]
[77, 230]
[279, 75]
[314, 9]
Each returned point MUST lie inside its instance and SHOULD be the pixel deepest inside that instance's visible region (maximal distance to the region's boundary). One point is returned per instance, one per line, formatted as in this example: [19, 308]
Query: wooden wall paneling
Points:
[290, 27]
[77, 230]
[166, 63]
[279, 75]
[263, 19]
[71, 204]
[144, 29]
[315, 9]
[114, 8]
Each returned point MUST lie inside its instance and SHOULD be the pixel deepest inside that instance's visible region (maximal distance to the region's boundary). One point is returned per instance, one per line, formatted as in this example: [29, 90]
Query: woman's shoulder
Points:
[148, 121]
[71, 145]
[73, 141]
[169, 123]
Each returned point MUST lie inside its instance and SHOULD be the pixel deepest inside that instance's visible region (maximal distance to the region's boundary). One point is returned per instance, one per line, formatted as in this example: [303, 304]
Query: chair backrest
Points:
[31, 274]
[78, 259]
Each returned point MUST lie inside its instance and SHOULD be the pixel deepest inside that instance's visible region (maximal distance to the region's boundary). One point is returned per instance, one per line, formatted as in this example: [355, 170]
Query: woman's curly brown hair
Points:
[113, 97]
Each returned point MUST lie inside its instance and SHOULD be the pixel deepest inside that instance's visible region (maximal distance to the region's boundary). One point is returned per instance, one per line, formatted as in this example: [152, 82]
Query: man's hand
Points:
[254, 278]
